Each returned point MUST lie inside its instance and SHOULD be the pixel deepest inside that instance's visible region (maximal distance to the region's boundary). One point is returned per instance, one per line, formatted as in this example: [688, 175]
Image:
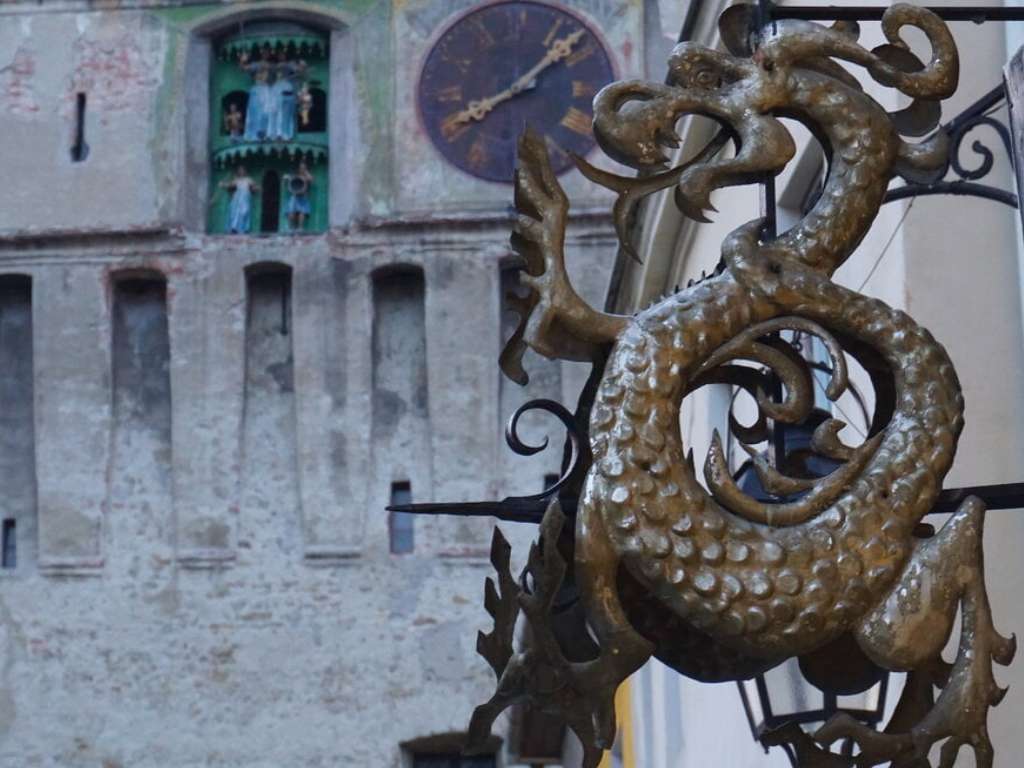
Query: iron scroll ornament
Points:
[716, 584]
[522, 509]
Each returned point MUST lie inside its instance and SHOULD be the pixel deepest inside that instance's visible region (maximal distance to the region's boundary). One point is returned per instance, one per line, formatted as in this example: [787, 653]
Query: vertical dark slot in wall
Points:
[9, 555]
[139, 487]
[401, 525]
[268, 328]
[401, 430]
[399, 350]
[269, 440]
[142, 355]
[79, 149]
[17, 418]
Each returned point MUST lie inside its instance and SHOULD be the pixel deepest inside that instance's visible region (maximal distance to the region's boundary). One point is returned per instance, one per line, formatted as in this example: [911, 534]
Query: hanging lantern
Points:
[806, 691]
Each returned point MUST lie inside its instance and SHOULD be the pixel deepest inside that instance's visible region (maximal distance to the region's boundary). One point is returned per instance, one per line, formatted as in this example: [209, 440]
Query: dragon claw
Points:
[1005, 649]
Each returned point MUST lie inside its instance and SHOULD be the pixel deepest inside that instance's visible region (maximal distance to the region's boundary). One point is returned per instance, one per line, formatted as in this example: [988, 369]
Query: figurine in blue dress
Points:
[298, 208]
[258, 113]
[241, 187]
[283, 95]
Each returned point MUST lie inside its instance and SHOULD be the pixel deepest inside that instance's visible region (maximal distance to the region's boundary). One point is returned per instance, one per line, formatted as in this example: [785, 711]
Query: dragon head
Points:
[747, 87]
[635, 121]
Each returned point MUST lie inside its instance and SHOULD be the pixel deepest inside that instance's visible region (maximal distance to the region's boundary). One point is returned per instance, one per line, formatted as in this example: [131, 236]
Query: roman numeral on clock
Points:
[477, 154]
[582, 89]
[549, 38]
[453, 126]
[581, 55]
[576, 120]
[451, 93]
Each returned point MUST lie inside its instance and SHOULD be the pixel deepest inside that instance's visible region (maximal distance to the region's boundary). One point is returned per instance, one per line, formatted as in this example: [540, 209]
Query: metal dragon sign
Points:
[712, 582]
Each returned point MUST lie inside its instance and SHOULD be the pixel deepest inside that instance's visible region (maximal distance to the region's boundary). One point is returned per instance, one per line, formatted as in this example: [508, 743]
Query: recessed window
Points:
[79, 149]
[9, 555]
[268, 130]
[401, 531]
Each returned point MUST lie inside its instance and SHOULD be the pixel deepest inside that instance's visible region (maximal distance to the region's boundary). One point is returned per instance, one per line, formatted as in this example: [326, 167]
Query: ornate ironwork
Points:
[521, 509]
[978, 115]
[718, 585]
[978, 14]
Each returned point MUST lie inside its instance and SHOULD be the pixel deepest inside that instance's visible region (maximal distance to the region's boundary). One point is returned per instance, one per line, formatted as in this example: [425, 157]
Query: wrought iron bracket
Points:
[966, 181]
[522, 509]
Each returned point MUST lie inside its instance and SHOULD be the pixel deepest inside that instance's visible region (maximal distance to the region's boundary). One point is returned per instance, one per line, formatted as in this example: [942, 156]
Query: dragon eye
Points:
[706, 78]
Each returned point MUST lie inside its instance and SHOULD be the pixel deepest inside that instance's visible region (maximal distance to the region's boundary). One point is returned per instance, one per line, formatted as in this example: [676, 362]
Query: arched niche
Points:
[339, 102]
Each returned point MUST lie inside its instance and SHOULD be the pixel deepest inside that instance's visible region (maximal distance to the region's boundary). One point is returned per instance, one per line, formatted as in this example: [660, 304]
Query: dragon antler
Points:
[554, 320]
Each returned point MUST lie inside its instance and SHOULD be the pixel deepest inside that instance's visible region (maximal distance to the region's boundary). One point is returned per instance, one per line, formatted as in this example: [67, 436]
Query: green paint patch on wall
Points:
[195, 13]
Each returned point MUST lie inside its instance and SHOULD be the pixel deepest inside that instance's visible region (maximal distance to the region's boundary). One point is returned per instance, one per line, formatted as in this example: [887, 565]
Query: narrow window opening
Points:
[79, 149]
[141, 354]
[269, 356]
[9, 557]
[17, 423]
[270, 212]
[272, 280]
[400, 524]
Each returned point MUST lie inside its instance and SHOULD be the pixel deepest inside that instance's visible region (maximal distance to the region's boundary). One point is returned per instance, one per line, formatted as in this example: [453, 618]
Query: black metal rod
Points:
[512, 511]
[527, 510]
[978, 15]
[982, 105]
[963, 188]
[1004, 496]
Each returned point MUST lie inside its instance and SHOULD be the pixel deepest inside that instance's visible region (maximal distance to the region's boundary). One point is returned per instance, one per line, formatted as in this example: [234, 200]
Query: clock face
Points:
[502, 67]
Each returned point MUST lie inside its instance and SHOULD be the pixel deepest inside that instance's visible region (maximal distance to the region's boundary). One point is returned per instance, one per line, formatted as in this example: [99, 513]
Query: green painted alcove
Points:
[272, 46]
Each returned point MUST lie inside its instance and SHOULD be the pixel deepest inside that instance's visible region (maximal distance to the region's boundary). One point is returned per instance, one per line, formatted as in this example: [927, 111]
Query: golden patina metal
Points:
[712, 582]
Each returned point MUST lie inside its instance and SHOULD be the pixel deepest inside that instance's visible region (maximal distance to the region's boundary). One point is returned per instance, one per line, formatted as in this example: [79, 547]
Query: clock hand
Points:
[558, 51]
[478, 109]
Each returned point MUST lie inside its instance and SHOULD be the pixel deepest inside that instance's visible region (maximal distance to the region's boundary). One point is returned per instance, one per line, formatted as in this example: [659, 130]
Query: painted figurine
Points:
[298, 207]
[282, 92]
[260, 107]
[305, 104]
[234, 122]
[241, 187]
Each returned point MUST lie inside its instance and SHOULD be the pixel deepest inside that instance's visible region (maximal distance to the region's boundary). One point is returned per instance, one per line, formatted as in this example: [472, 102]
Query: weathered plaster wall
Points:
[216, 587]
[144, 75]
[194, 444]
[117, 60]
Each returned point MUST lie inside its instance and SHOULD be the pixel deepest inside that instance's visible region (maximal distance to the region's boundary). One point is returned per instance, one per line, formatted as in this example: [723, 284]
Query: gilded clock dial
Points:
[502, 67]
